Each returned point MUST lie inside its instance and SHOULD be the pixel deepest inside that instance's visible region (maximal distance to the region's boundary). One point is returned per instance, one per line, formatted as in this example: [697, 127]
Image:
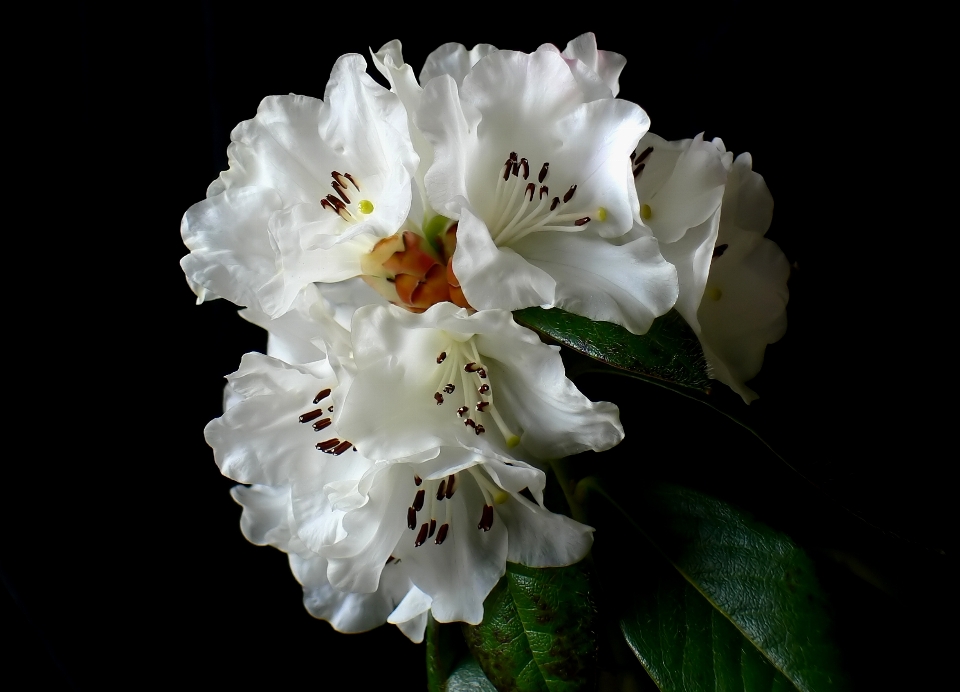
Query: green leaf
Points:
[538, 631]
[685, 644]
[756, 578]
[469, 677]
[669, 352]
[444, 647]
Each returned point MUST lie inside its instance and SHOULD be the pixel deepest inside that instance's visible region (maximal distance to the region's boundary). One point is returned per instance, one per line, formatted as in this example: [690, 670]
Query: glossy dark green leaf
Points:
[469, 677]
[444, 647]
[669, 352]
[685, 643]
[756, 578]
[538, 631]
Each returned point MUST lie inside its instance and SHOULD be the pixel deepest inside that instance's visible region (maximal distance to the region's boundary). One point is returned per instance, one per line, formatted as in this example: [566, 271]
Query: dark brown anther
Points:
[516, 168]
[442, 533]
[411, 518]
[417, 480]
[555, 203]
[531, 188]
[567, 197]
[389, 560]
[544, 191]
[311, 415]
[321, 396]
[638, 170]
[442, 357]
[462, 410]
[469, 422]
[337, 204]
[507, 167]
[581, 222]
[720, 249]
[450, 388]
[433, 527]
[421, 535]
[482, 406]
[471, 367]
[479, 429]
[439, 397]
[341, 448]
[337, 178]
[321, 424]
[442, 487]
[327, 445]
[330, 409]
[482, 373]
[513, 156]
[645, 154]
[418, 500]
[633, 155]
[525, 165]
[352, 181]
[486, 519]
[326, 205]
[484, 388]
[451, 481]
[543, 172]
[340, 190]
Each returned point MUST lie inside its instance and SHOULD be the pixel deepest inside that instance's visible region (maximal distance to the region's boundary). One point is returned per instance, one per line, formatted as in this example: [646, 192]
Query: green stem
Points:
[559, 467]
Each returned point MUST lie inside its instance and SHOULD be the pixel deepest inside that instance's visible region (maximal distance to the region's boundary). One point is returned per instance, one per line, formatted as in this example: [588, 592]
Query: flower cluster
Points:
[394, 437]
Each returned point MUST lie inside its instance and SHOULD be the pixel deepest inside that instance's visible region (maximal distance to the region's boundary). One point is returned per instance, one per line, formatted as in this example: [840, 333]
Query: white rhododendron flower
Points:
[448, 377]
[312, 185]
[539, 181]
[448, 518]
[745, 298]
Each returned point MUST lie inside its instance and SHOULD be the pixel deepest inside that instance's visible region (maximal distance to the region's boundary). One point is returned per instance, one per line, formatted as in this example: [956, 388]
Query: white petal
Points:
[606, 64]
[630, 284]
[453, 59]
[491, 277]
[540, 538]
[411, 615]
[691, 255]
[264, 520]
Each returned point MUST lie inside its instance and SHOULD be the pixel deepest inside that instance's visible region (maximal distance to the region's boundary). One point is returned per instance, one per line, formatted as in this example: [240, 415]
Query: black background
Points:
[123, 561]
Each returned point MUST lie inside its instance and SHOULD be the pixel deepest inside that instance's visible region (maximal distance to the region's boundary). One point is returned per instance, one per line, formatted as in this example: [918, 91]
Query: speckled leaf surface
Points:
[469, 677]
[442, 652]
[756, 578]
[686, 644]
[669, 352]
[538, 631]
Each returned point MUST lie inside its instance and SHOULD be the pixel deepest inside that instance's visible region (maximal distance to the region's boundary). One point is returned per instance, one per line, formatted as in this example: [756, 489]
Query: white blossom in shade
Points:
[445, 520]
[744, 301]
[532, 158]
[451, 378]
[268, 519]
[312, 185]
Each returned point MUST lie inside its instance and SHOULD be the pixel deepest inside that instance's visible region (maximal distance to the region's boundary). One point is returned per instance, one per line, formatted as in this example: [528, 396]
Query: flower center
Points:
[322, 421]
[342, 203]
[522, 207]
[462, 361]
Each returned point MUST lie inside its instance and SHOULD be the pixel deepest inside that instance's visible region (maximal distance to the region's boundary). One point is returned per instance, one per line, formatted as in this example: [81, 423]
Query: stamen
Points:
[482, 405]
[567, 197]
[340, 192]
[330, 409]
[484, 388]
[433, 527]
[311, 415]
[462, 410]
[442, 357]
[341, 448]
[327, 445]
[439, 397]
[544, 191]
[555, 203]
[442, 534]
[479, 429]
[451, 482]
[441, 489]
[507, 166]
[471, 367]
[645, 154]
[326, 205]
[543, 172]
[418, 500]
[352, 181]
[417, 480]
[638, 170]
[516, 168]
[513, 156]
[411, 518]
[720, 249]
[321, 424]
[389, 560]
[470, 422]
[337, 178]
[581, 222]
[526, 168]
[482, 373]
[450, 388]
[531, 188]
[486, 519]
[323, 394]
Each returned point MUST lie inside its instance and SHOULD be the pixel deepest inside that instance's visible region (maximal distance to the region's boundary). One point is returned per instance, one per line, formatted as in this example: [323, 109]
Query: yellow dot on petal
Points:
[714, 293]
[365, 206]
[602, 214]
[513, 441]
[500, 498]
[646, 212]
